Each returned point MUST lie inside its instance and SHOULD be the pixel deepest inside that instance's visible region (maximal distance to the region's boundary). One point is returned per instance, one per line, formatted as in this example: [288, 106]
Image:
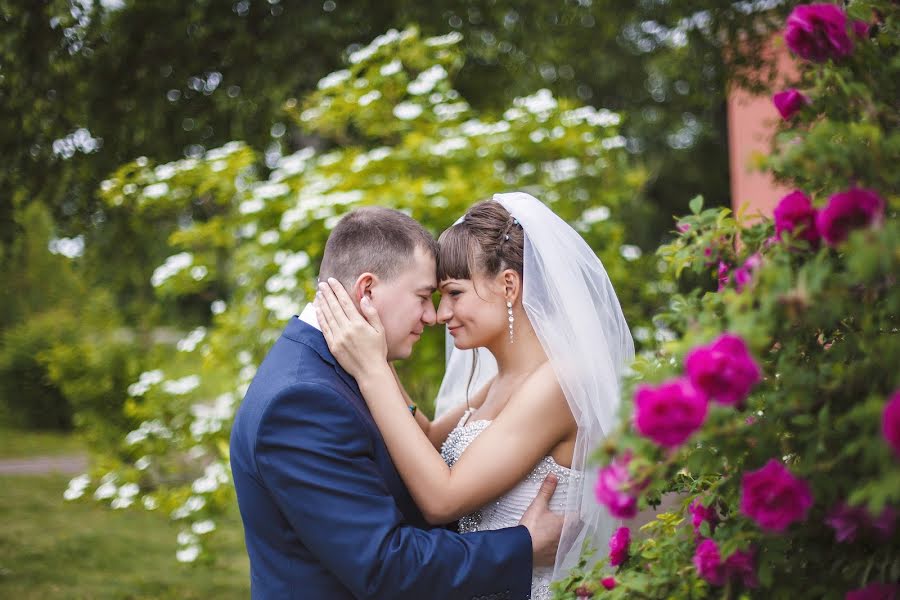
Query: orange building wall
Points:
[751, 125]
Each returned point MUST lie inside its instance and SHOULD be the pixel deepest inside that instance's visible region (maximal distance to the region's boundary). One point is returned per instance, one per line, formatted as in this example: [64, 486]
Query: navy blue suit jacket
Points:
[325, 512]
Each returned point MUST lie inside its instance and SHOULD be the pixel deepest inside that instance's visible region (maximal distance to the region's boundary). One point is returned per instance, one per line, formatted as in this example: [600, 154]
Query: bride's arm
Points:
[532, 423]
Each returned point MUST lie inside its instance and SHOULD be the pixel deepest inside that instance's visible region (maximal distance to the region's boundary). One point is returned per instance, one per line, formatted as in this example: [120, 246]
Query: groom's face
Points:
[404, 304]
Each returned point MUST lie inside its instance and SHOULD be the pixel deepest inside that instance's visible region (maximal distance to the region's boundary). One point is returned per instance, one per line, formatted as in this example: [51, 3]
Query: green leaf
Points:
[696, 204]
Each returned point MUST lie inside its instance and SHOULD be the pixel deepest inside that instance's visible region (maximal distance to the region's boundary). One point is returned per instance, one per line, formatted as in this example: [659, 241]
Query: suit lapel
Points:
[311, 337]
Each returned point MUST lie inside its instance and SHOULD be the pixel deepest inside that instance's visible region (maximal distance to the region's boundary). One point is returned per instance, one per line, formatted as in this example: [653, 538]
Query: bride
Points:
[516, 281]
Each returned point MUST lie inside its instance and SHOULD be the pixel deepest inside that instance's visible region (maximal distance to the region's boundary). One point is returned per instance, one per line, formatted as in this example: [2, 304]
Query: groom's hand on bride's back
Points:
[544, 526]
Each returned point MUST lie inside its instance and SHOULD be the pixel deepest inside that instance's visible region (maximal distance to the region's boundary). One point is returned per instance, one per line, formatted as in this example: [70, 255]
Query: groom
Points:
[325, 512]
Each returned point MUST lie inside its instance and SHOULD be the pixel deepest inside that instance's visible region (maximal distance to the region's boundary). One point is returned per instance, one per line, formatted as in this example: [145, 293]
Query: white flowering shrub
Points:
[394, 132]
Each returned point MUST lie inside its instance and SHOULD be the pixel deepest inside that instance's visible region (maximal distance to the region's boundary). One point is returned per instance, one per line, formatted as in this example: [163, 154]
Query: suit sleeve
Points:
[315, 456]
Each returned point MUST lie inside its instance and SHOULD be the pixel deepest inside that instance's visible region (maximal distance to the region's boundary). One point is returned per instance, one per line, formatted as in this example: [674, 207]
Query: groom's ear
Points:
[363, 286]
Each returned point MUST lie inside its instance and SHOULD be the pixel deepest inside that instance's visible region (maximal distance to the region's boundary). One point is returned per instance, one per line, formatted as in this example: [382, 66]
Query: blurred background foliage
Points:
[173, 168]
[87, 86]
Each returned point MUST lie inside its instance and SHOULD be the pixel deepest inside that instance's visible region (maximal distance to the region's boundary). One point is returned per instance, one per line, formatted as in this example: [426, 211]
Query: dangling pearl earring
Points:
[511, 319]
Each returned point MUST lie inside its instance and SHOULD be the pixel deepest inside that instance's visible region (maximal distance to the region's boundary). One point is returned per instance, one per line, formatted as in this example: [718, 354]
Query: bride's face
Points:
[473, 310]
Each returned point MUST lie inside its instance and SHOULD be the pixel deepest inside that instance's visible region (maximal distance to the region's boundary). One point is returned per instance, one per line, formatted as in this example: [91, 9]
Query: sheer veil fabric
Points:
[570, 301]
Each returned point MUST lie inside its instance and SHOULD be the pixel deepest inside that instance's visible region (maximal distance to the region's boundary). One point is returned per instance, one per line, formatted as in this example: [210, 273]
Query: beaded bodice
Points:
[506, 510]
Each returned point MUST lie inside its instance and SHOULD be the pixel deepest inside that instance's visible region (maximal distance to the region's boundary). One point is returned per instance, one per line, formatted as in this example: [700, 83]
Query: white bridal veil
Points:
[576, 315]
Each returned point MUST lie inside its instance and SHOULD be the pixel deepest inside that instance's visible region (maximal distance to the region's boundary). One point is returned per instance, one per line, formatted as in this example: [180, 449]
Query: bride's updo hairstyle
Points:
[487, 241]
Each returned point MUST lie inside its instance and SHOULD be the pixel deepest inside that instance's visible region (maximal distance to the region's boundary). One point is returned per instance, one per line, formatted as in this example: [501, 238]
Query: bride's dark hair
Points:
[487, 241]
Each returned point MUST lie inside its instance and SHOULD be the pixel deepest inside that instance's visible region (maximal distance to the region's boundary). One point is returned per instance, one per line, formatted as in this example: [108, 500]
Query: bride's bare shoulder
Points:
[541, 386]
[539, 402]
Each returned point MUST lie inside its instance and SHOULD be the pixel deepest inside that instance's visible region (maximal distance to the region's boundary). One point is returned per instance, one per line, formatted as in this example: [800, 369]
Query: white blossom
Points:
[156, 190]
[453, 37]
[172, 265]
[406, 111]
[76, 487]
[333, 79]
[179, 387]
[203, 527]
[68, 247]
[392, 68]
[630, 252]
[369, 98]
[540, 102]
[427, 79]
[199, 272]
[189, 343]
[217, 307]
[145, 380]
[187, 555]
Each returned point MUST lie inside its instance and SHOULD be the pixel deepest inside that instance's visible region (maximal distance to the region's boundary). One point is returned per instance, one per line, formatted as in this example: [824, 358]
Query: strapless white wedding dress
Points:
[506, 510]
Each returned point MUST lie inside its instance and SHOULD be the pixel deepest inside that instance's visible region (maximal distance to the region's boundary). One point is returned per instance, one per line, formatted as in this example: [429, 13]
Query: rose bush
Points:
[789, 485]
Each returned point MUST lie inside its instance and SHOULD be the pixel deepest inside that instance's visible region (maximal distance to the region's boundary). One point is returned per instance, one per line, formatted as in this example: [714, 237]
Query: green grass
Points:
[50, 548]
[16, 443]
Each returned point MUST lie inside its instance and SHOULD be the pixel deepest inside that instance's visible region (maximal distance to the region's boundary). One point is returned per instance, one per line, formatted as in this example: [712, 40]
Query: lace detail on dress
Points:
[509, 508]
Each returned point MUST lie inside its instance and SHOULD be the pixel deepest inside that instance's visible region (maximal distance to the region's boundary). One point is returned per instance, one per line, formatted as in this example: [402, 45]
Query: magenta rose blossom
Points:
[846, 521]
[722, 275]
[774, 498]
[789, 103]
[669, 413]
[847, 211]
[614, 488]
[876, 591]
[849, 521]
[618, 546]
[708, 562]
[884, 524]
[724, 370]
[890, 422]
[700, 513]
[795, 214]
[818, 32]
[608, 582]
[861, 29]
[741, 565]
[743, 275]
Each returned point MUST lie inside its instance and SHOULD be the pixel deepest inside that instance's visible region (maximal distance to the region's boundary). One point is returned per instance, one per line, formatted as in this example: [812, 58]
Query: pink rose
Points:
[708, 562]
[722, 275]
[740, 565]
[846, 211]
[789, 103]
[884, 524]
[669, 413]
[890, 422]
[615, 489]
[724, 370]
[861, 29]
[774, 498]
[700, 513]
[848, 521]
[743, 275]
[796, 214]
[618, 546]
[818, 32]
[584, 592]
[608, 582]
[875, 591]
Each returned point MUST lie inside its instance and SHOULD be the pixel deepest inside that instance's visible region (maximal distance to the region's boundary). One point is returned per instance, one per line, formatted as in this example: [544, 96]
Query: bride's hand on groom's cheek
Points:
[356, 340]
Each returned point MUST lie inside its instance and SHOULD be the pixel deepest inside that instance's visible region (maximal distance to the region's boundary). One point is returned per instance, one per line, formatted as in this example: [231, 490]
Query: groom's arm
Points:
[315, 455]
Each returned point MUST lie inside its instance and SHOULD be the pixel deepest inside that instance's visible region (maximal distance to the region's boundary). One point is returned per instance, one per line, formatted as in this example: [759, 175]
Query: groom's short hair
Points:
[375, 240]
